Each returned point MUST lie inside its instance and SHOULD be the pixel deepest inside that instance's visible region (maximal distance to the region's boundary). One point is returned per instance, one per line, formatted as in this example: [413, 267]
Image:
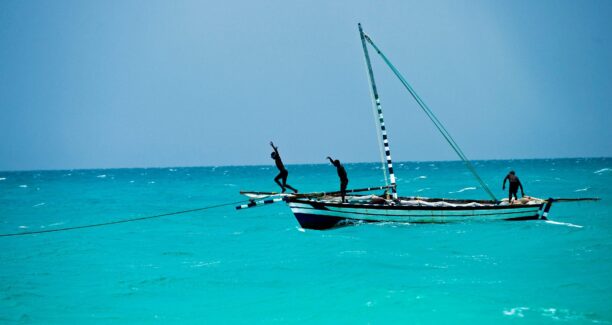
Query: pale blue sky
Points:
[90, 84]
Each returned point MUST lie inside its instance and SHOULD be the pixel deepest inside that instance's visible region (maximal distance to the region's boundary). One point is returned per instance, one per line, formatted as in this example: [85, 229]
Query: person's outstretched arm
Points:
[330, 159]
[273, 147]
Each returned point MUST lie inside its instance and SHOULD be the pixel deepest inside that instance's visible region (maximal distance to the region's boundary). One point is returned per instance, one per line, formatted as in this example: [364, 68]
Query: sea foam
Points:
[463, 190]
[563, 224]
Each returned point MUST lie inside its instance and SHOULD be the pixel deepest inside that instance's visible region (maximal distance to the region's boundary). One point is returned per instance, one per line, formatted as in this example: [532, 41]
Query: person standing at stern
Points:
[514, 184]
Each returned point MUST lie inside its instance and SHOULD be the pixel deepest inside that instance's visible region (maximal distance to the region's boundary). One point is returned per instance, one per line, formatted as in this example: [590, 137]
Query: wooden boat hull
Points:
[313, 214]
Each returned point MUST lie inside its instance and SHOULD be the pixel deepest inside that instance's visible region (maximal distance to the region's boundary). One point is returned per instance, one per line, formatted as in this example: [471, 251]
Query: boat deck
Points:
[415, 201]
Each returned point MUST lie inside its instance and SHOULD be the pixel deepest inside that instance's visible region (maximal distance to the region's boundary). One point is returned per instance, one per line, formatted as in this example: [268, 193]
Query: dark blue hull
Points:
[313, 214]
[318, 222]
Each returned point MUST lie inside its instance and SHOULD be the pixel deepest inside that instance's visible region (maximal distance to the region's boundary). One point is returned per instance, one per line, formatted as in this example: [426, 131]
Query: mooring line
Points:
[108, 223]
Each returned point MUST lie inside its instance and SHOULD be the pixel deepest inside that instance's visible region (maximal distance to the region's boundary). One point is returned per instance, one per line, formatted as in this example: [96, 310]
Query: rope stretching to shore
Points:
[108, 223]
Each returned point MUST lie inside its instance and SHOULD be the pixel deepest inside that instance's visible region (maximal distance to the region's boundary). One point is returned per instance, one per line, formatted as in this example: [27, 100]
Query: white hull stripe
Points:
[534, 210]
[420, 216]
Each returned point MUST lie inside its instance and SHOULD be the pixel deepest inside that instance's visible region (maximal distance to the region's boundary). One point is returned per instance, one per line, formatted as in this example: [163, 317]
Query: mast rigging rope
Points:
[434, 119]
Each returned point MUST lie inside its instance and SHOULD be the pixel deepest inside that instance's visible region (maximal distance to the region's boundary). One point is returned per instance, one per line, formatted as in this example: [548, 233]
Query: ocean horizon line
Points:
[287, 164]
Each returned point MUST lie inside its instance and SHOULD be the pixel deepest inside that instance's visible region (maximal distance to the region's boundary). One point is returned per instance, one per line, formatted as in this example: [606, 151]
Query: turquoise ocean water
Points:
[257, 265]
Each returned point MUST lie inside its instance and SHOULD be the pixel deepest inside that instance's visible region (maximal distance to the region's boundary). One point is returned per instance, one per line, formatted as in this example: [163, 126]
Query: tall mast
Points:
[381, 123]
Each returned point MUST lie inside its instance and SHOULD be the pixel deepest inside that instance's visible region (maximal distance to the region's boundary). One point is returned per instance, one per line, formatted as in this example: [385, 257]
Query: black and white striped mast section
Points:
[383, 132]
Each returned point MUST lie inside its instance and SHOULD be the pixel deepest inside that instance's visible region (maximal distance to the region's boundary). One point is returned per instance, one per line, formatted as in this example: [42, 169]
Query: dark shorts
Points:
[513, 187]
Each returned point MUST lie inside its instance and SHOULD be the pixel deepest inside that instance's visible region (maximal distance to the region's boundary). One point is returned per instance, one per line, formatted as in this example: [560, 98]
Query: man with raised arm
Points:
[515, 183]
[283, 172]
[342, 174]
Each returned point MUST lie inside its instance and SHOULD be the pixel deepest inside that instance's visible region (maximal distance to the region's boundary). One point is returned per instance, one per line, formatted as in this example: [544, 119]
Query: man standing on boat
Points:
[515, 183]
[342, 174]
[283, 172]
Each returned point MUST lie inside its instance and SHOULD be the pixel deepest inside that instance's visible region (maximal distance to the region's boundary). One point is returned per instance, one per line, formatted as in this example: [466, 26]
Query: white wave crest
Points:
[203, 264]
[353, 252]
[101, 176]
[582, 189]
[464, 189]
[563, 224]
[603, 170]
[517, 311]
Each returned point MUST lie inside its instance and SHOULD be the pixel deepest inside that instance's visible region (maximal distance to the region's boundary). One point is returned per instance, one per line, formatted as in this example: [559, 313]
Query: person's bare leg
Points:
[287, 185]
[276, 179]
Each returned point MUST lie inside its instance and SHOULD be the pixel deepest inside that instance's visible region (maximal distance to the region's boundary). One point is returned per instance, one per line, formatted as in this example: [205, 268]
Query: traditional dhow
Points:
[322, 210]
[326, 210]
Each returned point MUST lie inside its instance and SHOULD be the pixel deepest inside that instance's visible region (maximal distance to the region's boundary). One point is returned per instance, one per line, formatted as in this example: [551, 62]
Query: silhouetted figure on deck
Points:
[342, 174]
[514, 185]
[283, 172]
